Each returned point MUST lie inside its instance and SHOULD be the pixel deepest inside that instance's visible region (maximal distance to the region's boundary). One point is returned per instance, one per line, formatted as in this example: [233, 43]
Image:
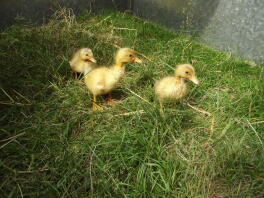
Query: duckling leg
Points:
[161, 107]
[96, 106]
[110, 101]
[74, 75]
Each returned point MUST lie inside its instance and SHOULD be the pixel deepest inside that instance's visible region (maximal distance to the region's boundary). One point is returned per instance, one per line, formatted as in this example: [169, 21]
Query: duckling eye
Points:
[86, 54]
[186, 72]
[130, 55]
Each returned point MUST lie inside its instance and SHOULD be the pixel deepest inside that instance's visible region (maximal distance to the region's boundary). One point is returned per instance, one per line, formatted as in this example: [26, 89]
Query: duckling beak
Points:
[195, 80]
[137, 60]
[92, 59]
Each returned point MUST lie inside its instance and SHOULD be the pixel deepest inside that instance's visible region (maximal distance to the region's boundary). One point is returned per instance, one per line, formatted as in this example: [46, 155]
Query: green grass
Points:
[53, 145]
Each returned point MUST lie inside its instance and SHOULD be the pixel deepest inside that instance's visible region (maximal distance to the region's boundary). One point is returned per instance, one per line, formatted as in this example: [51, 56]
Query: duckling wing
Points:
[77, 66]
[88, 67]
[96, 80]
[164, 85]
[82, 67]
[167, 88]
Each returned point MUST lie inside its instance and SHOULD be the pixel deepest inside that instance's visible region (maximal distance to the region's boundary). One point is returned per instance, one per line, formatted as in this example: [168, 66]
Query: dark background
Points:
[38, 11]
[236, 26]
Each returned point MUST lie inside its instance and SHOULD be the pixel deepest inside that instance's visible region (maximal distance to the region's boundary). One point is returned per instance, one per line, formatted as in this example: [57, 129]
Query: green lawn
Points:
[53, 145]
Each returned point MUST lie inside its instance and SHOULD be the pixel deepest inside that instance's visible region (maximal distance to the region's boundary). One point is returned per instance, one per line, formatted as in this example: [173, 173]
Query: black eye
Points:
[186, 72]
[86, 54]
[130, 55]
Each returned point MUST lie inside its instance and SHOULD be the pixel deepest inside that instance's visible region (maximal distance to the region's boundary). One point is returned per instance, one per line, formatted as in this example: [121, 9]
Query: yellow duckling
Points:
[83, 61]
[174, 87]
[103, 80]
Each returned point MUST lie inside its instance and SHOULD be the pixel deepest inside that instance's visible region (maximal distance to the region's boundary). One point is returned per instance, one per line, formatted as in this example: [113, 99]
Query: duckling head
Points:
[186, 71]
[126, 55]
[86, 55]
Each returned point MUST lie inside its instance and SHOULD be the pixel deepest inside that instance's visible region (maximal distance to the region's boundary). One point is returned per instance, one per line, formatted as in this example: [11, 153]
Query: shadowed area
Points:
[39, 11]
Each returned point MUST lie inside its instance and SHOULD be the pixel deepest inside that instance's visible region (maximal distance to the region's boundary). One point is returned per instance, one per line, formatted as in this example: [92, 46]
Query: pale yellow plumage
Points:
[174, 87]
[83, 61]
[103, 80]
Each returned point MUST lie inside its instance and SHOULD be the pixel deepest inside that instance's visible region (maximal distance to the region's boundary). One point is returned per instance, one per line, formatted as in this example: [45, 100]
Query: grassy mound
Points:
[53, 145]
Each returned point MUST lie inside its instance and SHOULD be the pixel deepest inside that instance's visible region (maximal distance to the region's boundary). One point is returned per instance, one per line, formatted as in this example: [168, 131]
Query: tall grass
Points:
[54, 145]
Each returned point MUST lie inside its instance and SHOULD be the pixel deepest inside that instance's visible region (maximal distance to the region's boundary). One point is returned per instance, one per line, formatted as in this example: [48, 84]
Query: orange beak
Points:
[195, 80]
[92, 59]
[137, 60]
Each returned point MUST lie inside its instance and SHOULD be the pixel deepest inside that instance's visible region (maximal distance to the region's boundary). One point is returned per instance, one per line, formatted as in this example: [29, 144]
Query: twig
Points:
[138, 96]
[117, 28]
[212, 125]
[102, 20]
[20, 190]
[6, 143]
[27, 171]
[131, 113]
[14, 103]
[144, 56]
[8, 95]
[33, 171]
[255, 132]
[164, 63]
[258, 122]
[198, 109]
[209, 141]
[22, 96]
[13, 137]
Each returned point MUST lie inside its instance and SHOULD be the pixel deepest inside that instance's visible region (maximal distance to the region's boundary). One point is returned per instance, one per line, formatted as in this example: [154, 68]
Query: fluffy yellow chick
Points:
[103, 80]
[174, 87]
[83, 61]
